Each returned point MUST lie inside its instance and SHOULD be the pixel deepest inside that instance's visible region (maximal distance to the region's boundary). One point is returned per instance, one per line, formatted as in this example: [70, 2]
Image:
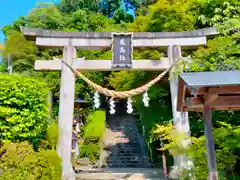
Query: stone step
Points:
[121, 143]
[126, 162]
[122, 173]
[135, 147]
[127, 148]
[141, 163]
[129, 166]
[129, 151]
[127, 155]
[126, 158]
[133, 151]
[126, 152]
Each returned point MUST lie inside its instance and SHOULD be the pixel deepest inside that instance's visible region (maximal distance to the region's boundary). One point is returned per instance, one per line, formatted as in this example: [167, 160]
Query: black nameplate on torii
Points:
[122, 50]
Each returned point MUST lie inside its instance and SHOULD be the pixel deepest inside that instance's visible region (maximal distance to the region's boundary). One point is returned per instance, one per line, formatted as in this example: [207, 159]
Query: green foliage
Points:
[166, 15]
[2, 68]
[222, 53]
[223, 14]
[68, 6]
[227, 140]
[93, 132]
[23, 108]
[20, 162]
[90, 150]
[22, 51]
[46, 16]
[95, 125]
[52, 134]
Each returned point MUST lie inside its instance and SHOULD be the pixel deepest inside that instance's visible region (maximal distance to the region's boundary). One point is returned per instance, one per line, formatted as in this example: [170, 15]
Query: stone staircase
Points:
[128, 148]
[127, 159]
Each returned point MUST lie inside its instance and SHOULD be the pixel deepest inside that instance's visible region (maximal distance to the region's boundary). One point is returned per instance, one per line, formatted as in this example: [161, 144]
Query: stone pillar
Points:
[180, 119]
[66, 109]
[49, 102]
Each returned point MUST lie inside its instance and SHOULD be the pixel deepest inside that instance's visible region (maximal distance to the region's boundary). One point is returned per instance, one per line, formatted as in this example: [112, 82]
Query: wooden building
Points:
[207, 91]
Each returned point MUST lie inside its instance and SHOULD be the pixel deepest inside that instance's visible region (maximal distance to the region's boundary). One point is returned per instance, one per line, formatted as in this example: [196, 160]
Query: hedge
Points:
[19, 161]
[23, 108]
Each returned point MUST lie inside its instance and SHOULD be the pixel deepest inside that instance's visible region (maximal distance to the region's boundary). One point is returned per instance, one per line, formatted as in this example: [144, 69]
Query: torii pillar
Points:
[66, 110]
[180, 119]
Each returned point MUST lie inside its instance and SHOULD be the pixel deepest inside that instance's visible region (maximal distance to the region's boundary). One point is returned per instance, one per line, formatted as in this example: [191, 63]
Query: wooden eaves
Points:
[219, 89]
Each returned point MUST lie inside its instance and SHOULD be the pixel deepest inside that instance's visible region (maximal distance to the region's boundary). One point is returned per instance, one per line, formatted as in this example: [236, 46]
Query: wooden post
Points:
[211, 154]
[164, 164]
[66, 109]
[180, 119]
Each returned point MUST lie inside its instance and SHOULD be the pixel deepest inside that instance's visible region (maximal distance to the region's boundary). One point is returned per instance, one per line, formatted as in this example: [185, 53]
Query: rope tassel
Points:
[112, 106]
[145, 99]
[129, 106]
[96, 100]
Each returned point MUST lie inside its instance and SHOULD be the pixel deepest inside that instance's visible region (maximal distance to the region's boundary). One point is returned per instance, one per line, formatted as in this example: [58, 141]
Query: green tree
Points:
[166, 15]
[68, 6]
[23, 52]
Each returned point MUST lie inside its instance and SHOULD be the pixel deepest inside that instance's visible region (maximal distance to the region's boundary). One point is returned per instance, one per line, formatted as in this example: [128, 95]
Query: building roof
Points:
[82, 103]
[211, 78]
[220, 90]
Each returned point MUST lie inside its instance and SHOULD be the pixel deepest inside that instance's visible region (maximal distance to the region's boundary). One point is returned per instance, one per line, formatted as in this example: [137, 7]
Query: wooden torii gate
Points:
[174, 41]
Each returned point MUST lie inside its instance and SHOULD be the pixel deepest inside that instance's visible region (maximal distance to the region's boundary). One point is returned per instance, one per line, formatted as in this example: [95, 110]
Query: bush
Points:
[2, 68]
[20, 162]
[23, 108]
[93, 132]
[90, 150]
[95, 125]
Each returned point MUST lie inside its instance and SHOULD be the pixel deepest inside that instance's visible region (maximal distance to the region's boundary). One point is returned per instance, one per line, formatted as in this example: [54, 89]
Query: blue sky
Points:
[11, 9]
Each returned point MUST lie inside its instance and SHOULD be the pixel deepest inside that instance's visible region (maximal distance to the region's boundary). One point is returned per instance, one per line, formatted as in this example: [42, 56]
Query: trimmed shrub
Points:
[20, 162]
[23, 108]
[95, 125]
[93, 132]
